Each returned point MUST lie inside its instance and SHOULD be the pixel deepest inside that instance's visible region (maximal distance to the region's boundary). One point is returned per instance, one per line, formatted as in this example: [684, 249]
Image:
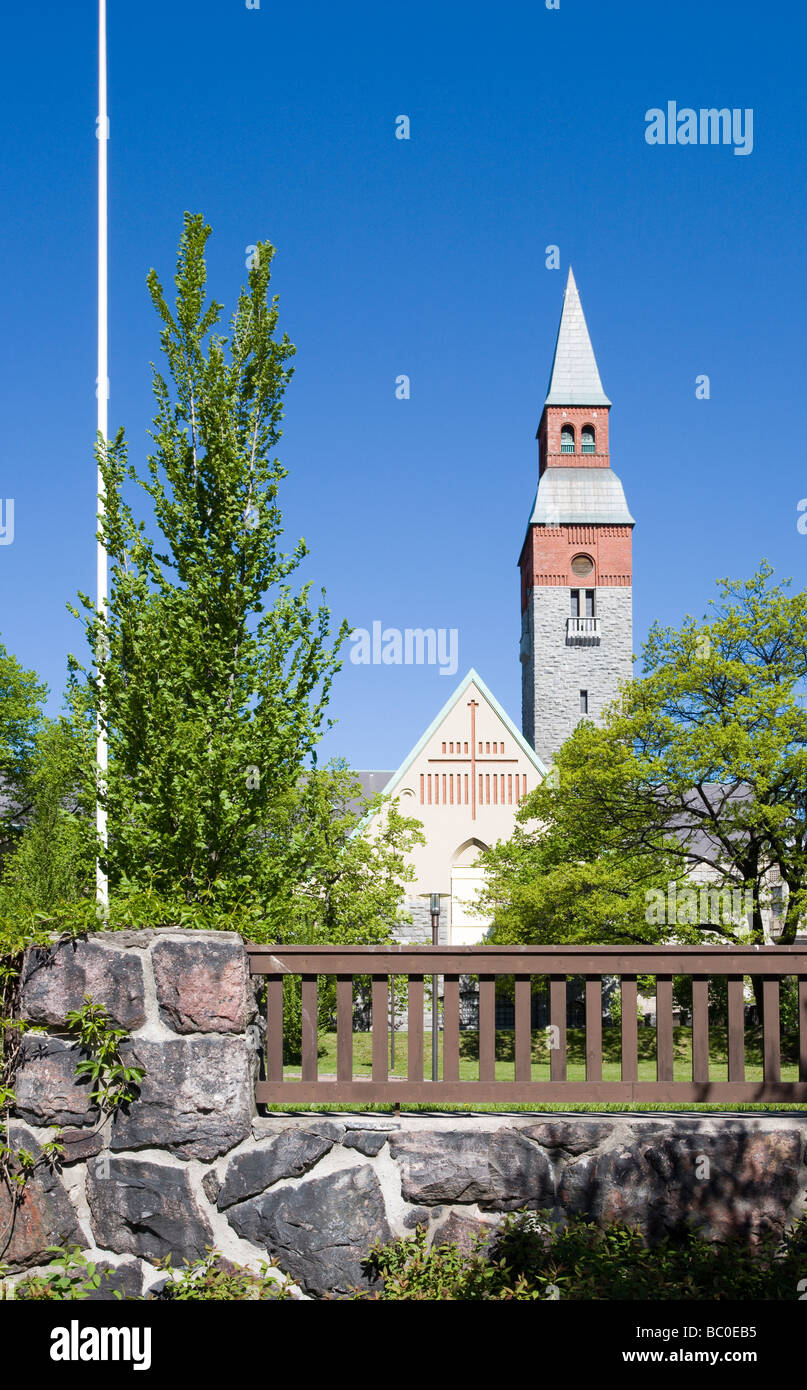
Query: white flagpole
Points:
[102, 393]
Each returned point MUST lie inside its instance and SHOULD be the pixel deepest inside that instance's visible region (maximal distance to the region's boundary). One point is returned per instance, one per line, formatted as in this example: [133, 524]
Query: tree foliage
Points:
[700, 765]
[211, 672]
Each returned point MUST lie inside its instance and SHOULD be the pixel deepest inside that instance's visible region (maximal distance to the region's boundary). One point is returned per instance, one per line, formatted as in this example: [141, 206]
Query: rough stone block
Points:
[127, 1278]
[368, 1141]
[443, 1165]
[44, 1216]
[146, 1209]
[733, 1182]
[195, 1100]
[46, 1087]
[569, 1136]
[288, 1156]
[203, 984]
[79, 1145]
[320, 1231]
[520, 1172]
[55, 980]
[462, 1230]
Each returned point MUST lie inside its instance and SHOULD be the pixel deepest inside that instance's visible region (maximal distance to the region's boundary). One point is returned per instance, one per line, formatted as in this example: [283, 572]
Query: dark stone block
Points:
[195, 1099]
[55, 980]
[146, 1209]
[368, 1141]
[288, 1156]
[45, 1215]
[520, 1173]
[79, 1145]
[203, 984]
[462, 1230]
[443, 1165]
[569, 1136]
[732, 1182]
[320, 1231]
[46, 1087]
[127, 1278]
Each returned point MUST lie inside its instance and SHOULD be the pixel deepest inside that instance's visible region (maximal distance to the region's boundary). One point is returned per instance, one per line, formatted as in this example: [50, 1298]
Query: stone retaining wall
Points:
[193, 1165]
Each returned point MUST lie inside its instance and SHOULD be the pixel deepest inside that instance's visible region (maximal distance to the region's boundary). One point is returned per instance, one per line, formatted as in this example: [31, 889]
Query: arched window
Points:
[567, 439]
[587, 445]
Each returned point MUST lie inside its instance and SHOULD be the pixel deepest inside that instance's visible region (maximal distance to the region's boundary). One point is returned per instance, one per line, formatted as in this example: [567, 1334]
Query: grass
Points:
[575, 1070]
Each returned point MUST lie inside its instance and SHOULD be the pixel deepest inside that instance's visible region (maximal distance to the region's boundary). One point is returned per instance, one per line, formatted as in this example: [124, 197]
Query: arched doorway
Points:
[467, 879]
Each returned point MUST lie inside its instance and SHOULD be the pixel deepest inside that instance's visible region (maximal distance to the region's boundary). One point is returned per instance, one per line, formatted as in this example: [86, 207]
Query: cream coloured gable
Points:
[464, 781]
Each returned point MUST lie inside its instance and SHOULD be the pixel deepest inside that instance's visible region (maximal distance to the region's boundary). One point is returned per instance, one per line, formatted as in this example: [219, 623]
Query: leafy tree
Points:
[53, 860]
[710, 743]
[21, 698]
[211, 673]
[345, 854]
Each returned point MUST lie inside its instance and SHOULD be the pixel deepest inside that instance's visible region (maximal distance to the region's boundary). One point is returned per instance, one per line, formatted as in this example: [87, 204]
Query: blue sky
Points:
[424, 257]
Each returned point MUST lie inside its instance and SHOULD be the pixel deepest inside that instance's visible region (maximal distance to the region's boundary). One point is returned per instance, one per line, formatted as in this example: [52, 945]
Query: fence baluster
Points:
[630, 1025]
[523, 1025]
[487, 1028]
[344, 1027]
[771, 1059]
[274, 1028]
[736, 1028]
[700, 1028]
[451, 1027]
[379, 1022]
[310, 1032]
[593, 1028]
[557, 1020]
[415, 1026]
[803, 1029]
[664, 1028]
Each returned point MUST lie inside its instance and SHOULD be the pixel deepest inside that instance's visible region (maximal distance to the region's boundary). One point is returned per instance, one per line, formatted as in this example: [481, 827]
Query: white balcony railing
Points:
[583, 631]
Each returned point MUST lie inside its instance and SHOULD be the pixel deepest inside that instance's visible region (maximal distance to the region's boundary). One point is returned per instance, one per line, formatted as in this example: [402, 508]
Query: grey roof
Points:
[371, 784]
[574, 379]
[580, 496]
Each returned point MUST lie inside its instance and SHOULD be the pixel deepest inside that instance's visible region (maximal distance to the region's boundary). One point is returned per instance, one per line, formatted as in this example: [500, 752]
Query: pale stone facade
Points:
[464, 782]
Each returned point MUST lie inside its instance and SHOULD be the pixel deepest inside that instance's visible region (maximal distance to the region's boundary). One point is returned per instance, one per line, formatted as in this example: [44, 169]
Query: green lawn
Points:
[576, 1069]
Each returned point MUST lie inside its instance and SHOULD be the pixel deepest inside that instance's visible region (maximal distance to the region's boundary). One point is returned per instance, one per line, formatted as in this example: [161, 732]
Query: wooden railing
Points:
[770, 964]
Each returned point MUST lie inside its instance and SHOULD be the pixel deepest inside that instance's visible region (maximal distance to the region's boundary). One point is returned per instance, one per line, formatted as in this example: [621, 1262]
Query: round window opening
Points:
[582, 565]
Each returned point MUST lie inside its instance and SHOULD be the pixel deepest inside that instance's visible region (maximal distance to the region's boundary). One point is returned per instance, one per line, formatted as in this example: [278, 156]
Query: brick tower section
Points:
[576, 571]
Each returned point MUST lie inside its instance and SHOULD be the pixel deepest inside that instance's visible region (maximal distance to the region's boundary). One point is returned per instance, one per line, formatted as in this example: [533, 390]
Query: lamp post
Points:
[435, 910]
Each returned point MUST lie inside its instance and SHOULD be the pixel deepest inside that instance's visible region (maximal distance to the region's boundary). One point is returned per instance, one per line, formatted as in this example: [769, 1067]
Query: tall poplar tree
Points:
[211, 672]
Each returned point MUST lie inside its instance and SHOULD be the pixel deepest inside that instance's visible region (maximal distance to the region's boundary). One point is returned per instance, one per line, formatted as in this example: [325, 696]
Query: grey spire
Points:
[574, 379]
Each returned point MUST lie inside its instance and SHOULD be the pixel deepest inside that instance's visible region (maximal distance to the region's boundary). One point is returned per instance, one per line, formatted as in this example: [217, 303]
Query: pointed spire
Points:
[575, 379]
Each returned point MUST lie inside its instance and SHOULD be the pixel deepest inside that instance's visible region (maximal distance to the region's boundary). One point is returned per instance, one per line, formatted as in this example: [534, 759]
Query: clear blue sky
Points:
[427, 258]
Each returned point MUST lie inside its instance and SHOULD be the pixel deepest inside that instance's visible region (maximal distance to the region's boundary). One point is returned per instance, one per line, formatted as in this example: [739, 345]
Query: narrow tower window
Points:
[587, 445]
[567, 439]
[584, 702]
[589, 603]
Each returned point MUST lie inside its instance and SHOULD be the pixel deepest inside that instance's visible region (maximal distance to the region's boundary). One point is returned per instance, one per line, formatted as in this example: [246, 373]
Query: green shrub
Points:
[531, 1259]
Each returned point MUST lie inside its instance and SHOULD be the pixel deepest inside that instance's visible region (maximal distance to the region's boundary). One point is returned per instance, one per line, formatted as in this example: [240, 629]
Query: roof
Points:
[575, 378]
[371, 784]
[470, 679]
[577, 496]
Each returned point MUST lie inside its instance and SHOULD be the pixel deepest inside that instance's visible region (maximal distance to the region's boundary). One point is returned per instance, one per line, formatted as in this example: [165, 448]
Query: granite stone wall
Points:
[554, 671]
[193, 1165]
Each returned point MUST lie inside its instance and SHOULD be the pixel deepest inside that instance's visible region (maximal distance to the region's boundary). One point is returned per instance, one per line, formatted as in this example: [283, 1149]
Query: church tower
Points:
[576, 596]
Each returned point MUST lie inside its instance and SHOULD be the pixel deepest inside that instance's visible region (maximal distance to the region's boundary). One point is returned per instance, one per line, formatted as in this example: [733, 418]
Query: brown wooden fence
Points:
[594, 964]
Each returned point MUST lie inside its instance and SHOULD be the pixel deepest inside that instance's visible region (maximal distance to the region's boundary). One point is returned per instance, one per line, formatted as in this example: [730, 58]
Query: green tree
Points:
[711, 741]
[21, 698]
[211, 673]
[53, 860]
[346, 857]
